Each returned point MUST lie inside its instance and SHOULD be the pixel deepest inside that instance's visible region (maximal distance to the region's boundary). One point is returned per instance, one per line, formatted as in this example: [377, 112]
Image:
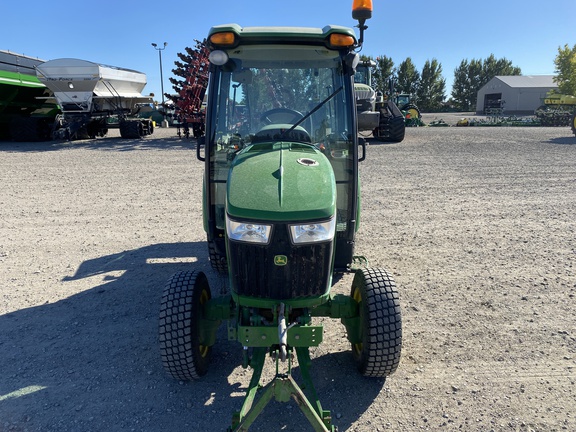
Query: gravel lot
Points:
[477, 225]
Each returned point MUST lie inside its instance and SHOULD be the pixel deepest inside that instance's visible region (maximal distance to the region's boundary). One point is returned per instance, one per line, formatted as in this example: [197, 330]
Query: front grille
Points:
[255, 274]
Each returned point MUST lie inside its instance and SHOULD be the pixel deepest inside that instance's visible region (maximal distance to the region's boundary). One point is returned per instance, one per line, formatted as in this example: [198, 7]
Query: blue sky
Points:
[120, 33]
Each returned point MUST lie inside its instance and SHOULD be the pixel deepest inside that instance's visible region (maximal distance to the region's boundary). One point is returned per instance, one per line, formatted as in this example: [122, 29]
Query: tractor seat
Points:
[273, 132]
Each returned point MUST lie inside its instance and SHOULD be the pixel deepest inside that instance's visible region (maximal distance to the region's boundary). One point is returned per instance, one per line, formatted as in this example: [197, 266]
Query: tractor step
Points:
[358, 262]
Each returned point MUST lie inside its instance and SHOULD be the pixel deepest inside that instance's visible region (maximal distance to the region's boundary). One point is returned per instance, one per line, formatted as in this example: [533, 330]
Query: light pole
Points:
[164, 122]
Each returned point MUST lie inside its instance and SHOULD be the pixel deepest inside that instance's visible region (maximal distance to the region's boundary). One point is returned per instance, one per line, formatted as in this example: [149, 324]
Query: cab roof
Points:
[275, 35]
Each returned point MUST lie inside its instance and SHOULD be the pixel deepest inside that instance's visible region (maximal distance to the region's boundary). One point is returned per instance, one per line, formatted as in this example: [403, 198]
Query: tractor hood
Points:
[281, 181]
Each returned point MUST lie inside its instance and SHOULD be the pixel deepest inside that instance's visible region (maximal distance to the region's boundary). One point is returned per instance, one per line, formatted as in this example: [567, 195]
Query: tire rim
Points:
[413, 114]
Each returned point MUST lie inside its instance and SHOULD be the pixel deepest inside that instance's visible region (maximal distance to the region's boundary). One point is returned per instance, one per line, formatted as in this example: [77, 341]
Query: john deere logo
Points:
[280, 260]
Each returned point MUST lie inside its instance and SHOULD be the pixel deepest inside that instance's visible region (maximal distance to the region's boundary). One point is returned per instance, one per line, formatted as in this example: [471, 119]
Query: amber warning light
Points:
[362, 9]
[223, 38]
[341, 40]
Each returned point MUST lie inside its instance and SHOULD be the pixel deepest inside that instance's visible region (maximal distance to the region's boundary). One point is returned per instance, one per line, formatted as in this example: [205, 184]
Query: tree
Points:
[408, 78]
[470, 76]
[462, 92]
[431, 87]
[565, 63]
[492, 67]
[383, 72]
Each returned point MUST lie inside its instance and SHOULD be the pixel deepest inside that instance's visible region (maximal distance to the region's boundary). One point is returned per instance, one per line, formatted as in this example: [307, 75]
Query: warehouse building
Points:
[518, 95]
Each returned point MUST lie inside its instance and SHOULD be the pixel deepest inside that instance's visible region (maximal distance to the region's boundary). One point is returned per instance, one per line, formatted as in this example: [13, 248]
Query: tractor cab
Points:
[281, 150]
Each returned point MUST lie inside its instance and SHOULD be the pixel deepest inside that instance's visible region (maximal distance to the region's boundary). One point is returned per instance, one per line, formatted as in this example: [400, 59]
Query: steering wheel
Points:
[281, 115]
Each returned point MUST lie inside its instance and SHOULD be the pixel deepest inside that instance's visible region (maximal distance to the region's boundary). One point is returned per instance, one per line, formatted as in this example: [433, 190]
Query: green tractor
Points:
[412, 116]
[281, 206]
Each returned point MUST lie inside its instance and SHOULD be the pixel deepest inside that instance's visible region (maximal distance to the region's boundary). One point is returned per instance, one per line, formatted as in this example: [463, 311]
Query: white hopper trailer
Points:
[93, 95]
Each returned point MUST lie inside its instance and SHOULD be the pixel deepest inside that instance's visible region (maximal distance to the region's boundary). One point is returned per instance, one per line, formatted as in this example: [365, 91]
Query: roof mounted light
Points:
[361, 11]
[218, 57]
[223, 39]
[341, 40]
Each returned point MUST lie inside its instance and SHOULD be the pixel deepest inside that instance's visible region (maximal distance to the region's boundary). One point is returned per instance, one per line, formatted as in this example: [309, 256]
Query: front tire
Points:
[378, 353]
[184, 357]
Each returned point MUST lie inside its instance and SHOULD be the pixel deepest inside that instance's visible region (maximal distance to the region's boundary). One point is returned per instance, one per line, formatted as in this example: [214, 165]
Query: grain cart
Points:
[376, 113]
[281, 210]
[94, 97]
[24, 115]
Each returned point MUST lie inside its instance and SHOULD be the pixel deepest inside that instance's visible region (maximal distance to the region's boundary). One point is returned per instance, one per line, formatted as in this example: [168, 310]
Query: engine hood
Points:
[281, 181]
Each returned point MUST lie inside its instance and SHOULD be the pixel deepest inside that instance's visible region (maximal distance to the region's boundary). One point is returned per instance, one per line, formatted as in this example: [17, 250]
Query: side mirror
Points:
[351, 62]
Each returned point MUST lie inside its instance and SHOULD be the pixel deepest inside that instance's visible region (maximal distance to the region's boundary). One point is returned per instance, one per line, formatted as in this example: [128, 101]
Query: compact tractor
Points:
[281, 207]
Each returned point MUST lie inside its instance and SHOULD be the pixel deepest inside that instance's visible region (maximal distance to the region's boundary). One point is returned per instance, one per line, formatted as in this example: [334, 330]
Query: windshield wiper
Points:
[316, 108]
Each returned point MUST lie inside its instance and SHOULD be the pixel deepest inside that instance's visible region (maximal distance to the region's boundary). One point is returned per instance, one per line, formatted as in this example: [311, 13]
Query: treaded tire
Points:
[183, 356]
[397, 129]
[29, 129]
[218, 262]
[131, 129]
[391, 128]
[378, 355]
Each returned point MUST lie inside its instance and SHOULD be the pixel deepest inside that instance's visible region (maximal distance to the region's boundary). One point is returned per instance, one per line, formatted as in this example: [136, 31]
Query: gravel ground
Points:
[476, 224]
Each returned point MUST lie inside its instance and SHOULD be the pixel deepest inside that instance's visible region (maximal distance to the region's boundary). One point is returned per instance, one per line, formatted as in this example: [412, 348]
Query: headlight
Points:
[248, 232]
[313, 232]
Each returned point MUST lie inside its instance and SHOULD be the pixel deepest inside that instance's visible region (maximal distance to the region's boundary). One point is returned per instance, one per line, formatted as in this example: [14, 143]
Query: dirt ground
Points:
[476, 224]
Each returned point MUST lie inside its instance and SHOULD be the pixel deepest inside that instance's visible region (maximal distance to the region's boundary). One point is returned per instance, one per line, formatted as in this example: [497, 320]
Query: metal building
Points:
[521, 94]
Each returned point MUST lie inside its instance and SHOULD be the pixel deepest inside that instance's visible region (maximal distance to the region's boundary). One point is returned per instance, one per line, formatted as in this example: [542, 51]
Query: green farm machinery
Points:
[281, 207]
[411, 112]
[25, 115]
[557, 110]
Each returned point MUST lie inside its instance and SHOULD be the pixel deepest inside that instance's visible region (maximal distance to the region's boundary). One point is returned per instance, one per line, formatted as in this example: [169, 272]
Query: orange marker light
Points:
[341, 40]
[224, 38]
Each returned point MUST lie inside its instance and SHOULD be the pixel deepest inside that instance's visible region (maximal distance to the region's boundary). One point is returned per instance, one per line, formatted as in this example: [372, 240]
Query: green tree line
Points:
[565, 63]
[428, 87]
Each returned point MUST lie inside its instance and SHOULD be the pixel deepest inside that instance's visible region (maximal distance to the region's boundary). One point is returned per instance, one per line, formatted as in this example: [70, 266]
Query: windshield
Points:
[271, 93]
[269, 89]
[362, 75]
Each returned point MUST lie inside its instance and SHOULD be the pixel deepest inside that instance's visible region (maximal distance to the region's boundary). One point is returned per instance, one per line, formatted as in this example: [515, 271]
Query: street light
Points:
[164, 122]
